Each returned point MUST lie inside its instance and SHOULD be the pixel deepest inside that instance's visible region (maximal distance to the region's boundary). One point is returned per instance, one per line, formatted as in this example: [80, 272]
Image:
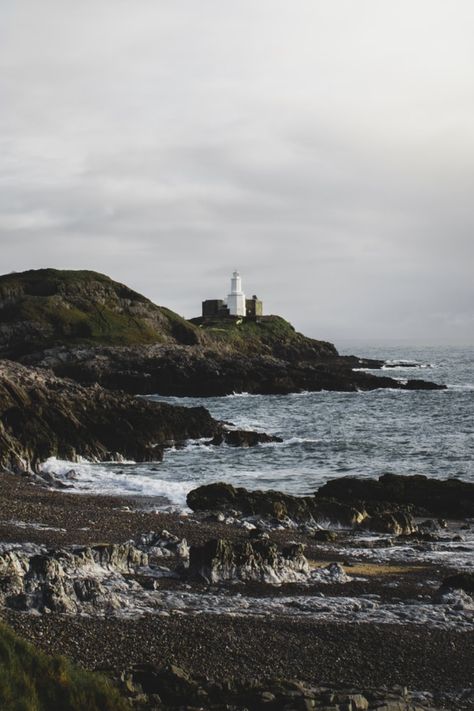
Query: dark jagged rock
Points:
[243, 438]
[448, 497]
[221, 560]
[398, 523]
[460, 581]
[42, 415]
[67, 580]
[171, 687]
[209, 370]
[168, 685]
[324, 536]
[225, 497]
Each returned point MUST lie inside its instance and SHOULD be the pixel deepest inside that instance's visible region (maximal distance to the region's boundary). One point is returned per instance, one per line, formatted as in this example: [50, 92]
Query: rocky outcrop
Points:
[242, 438]
[459, 581]
[171, 687]
[162, 545]
[220, 560]
[225, 497]
[86, 326]
[436, 497]
[209, 370]
[68, 580]
[398, 523]
[42, 415]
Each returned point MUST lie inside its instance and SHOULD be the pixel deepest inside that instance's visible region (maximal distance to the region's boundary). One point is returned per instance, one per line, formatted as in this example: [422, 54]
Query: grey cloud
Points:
[326, 149]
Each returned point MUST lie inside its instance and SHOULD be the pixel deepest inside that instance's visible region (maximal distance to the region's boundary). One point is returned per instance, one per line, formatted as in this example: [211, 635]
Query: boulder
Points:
[438, 497]
[220, 560]
[162, 545]
[398, 524]
[459, 581]
[67, 580]
[171, 684]
[243, 438]
[225, 497]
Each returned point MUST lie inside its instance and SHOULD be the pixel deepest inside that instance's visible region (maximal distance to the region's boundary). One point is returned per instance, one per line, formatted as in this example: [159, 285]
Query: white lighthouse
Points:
[236, 298]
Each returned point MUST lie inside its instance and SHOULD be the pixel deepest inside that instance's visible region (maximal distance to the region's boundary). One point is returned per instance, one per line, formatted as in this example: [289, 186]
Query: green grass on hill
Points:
[268, 328]
[270, 334]
[33, 681]
[48, 307]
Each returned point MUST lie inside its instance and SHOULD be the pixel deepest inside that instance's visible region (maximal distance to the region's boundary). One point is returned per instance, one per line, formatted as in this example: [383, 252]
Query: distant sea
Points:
[325, 435]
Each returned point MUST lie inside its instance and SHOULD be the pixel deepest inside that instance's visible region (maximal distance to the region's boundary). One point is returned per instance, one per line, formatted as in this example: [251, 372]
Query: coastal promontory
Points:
[85, 326]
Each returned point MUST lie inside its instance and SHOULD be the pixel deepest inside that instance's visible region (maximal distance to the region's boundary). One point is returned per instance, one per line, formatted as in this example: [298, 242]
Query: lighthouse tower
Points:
[236, 298]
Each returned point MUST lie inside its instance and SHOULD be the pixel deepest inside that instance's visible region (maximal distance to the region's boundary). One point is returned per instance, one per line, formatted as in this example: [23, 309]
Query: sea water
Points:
[325, 435]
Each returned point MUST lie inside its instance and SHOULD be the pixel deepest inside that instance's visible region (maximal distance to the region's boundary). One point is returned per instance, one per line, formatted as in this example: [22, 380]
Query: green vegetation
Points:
[33, 681]
[269, 334]
[44, 308]
[266, 330]
[48, 307]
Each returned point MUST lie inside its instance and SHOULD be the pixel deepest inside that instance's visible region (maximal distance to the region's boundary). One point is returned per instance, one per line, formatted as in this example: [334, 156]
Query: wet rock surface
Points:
[68, 581]
[42, 415]
[386, 505]
[224, 497]
[210, 370]
[449, 497]
[362, 612]
[243, 438]
[399, 523]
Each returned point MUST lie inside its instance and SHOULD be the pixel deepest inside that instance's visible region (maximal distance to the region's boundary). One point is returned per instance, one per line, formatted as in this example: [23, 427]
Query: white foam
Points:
[367, 608]
[97, 479]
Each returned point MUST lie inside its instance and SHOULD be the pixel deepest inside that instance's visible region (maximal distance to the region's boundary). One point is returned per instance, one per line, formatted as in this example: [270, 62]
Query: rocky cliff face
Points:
[42, 415]
[198, 371]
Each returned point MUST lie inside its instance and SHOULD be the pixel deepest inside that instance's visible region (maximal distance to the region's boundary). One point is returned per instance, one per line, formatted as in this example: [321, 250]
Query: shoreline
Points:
[220, 646]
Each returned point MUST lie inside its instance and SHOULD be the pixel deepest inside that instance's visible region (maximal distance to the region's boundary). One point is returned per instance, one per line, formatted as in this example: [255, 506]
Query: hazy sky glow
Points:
[324, 147]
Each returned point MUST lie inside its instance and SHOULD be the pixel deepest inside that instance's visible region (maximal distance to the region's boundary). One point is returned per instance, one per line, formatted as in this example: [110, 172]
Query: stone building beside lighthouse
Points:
[235, 306]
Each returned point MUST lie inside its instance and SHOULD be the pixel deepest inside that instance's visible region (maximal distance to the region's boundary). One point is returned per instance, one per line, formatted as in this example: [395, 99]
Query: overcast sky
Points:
[323, 147]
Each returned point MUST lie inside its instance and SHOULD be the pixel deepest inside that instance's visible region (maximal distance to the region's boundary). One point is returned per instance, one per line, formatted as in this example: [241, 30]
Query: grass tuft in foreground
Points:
[33, 681]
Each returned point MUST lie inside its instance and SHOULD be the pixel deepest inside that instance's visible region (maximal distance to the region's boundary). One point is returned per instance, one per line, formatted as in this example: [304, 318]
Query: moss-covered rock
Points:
[48, 307]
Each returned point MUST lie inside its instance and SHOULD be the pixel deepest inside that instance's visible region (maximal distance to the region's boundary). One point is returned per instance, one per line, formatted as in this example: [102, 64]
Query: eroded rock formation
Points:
[220, 560]
[42, 415]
